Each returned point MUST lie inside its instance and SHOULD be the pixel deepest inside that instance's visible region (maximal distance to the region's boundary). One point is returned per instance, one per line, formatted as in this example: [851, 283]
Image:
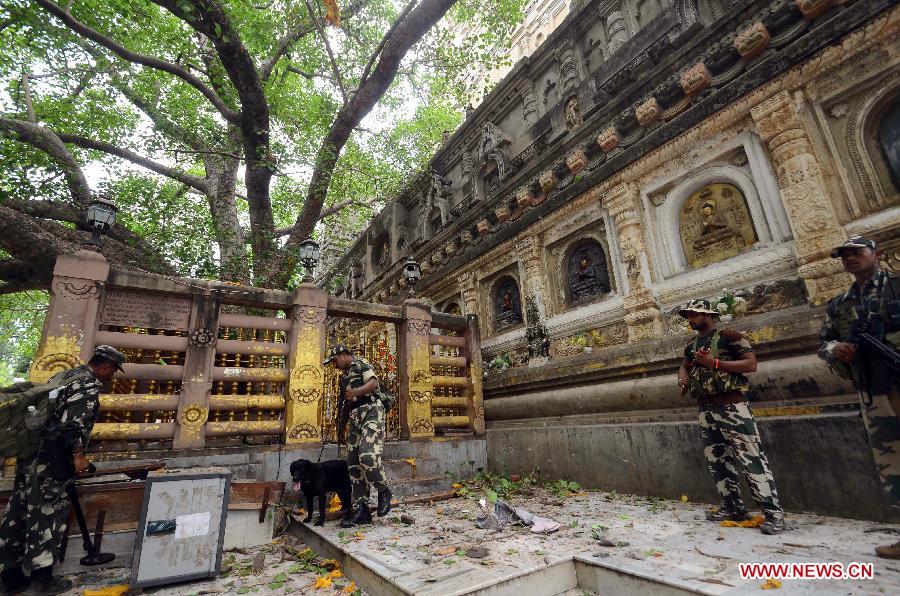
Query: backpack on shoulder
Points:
[25, 410]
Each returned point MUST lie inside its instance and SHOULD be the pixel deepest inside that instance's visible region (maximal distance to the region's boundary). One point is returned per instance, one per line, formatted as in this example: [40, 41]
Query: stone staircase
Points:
[425, 476]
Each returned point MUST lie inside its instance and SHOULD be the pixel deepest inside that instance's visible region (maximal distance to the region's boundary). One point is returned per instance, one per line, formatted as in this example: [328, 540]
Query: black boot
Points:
[384, 501]
[14, 581]
[726, 515]
[44, 582]
[362, 516]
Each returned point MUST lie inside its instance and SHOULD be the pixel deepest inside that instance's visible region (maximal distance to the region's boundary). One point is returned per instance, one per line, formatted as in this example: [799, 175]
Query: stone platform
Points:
[666, 548]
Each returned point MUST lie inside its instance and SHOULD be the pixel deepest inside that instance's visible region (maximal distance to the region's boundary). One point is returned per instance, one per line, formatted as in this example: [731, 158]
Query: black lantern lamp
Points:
[412, 273]
[308, 252]
[101, 215]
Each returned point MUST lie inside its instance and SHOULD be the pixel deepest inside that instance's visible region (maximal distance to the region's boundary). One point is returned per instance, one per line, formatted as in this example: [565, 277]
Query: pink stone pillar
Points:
[75, 294]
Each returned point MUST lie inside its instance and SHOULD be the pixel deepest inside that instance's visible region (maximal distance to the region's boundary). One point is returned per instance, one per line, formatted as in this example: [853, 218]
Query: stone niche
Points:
[587, 272]
[506, 302]
[715, 224]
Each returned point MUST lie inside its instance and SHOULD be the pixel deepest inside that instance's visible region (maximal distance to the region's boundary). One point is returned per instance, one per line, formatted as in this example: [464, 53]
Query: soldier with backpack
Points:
[713, 371]
[365, 404]
[53, 423]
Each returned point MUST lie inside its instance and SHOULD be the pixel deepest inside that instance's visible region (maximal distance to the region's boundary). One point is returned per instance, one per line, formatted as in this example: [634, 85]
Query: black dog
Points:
[317, 480]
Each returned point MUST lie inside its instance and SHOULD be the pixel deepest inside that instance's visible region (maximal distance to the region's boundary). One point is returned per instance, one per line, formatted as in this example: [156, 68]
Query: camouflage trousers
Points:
[365, 443]
[35, 520]
[731, 442]
[880, 417]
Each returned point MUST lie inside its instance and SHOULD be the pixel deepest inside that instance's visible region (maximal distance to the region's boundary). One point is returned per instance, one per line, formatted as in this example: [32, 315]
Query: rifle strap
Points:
[713, 344]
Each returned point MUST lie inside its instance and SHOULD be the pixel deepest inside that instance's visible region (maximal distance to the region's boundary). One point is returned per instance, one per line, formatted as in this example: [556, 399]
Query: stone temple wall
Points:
[593, 193]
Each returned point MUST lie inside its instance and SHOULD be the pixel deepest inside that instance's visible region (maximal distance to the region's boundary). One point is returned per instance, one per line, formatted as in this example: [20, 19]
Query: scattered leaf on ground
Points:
[684, 499]
[322, 582]
[771, 584]
[755, 522]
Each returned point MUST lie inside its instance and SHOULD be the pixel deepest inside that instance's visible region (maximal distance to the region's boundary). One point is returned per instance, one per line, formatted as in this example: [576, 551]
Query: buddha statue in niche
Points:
[508, 311]
[587, 272]
[715, 225]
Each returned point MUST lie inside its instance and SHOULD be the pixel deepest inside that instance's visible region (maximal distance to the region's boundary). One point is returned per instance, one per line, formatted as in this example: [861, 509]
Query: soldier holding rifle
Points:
[860, 340]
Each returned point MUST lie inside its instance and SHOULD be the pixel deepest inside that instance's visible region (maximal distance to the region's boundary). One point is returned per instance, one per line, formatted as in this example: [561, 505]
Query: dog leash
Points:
[322, 451]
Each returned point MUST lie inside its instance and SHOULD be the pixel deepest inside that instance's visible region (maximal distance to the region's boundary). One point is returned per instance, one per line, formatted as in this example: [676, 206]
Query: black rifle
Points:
[344, 405]
[865, 333]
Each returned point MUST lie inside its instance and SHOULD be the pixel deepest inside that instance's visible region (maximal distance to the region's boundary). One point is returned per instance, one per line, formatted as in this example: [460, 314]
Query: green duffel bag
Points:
[25, 409]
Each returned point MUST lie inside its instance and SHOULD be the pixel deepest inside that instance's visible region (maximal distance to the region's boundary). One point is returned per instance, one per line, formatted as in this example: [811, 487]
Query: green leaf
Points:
[573, 486]
[276, 585]
[492, 496]
[280, 577]
[243, 590]
[295, 568]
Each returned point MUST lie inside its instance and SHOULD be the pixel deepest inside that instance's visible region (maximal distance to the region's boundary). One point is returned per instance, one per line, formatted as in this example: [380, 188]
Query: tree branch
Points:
[286, 43]
[46, 140]
[377, 52]
[334, 209]
[403, 35]
[29, 107]
[149, 61]
[169, 172]
[334, 67]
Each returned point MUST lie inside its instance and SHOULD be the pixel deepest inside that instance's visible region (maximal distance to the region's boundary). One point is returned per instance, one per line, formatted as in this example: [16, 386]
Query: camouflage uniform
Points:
[728, 428]
[881, 406]
[365, 440]
[38, 509]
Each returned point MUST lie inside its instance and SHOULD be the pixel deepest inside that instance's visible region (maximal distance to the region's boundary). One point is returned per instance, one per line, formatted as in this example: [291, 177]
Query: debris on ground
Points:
[753, 522]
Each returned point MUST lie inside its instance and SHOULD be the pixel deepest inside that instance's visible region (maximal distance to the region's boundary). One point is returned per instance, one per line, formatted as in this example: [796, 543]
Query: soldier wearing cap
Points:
[359, 396]
[872, 297]
[38, 510]
[713, 371]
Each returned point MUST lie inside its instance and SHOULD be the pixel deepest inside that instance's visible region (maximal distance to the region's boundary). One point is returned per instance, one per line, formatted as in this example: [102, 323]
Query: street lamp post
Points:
[308, 253]
[101, 215]
[412, 273]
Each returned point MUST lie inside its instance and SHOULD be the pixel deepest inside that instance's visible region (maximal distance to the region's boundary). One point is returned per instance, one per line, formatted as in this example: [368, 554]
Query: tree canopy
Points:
[226, 131]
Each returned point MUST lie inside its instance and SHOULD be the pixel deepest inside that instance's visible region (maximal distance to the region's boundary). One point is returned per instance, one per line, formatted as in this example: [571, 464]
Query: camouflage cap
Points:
[333, 351]
[855, 242]
[112, 355]
[701, 306]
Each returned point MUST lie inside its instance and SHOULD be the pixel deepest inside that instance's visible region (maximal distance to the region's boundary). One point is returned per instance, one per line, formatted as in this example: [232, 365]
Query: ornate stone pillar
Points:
[804, 194]
[642, 315]
[68, 337]
[416, 386]
[475, 372]
[529, 251]
[529, 102]
[306, 381]
[618, 31]
[196, 385]
[466, 283]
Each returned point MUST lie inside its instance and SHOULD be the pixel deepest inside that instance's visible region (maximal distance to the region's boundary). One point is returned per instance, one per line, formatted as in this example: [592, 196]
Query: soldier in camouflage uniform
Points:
[359, 400]
[876, 292]
[38, 508]
[713, 371]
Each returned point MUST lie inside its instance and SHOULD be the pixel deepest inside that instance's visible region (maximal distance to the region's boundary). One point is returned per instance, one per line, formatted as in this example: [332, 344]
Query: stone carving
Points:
[57, 353]
[501, 212]
[75, 289]
[507, 304]
[617, 31]
[310, 316]
[573, 114]
[609, 139]
[129, 309]
[550, 88]
[202, 338]
[752, 41]
[306, 384]
[192, 417]
[418, 326]
[812, 9]
[536, 333]
[568, 65]
[529, 103]
[696, 79]
[422, 426]
[547, 180]
[648, 112]
[303, 430]
[783, 293]
[484, 227]
[803, 190]
[715, 224]
[587, 272]
[576, 160]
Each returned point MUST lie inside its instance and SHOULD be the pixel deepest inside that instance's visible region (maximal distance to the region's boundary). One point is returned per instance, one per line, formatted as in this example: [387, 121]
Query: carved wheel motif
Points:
[421, 426]
[306, 381]
[310, 316]
[54, 363]
[76, 290]
[202, 338]
[420, 397]
[192, 418]
[304, 430]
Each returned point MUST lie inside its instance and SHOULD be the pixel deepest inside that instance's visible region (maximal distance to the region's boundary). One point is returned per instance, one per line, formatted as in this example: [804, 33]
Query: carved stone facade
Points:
[680, 195]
